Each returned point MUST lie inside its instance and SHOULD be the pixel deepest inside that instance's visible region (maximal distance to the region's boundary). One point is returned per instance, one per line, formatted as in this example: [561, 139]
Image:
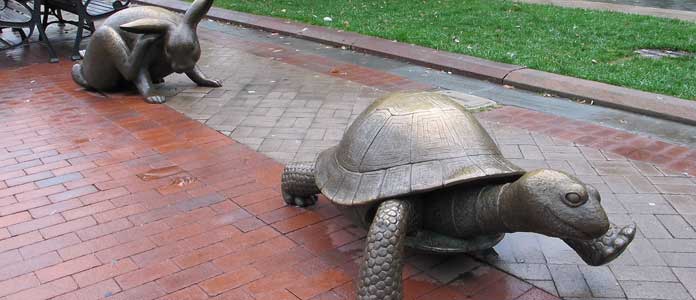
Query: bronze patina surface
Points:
[142, 45]
[417, 169]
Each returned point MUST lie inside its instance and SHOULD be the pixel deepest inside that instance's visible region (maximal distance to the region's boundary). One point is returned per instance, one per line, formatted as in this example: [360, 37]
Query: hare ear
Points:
[196, 12]
[146, 26]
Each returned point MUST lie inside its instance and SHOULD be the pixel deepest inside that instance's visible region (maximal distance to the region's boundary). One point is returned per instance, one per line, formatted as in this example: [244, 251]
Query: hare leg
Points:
[197, 76]
[380, 272]
[606, 248]
[144, 85]
[78, 77]
[298, 185]
[128, 62]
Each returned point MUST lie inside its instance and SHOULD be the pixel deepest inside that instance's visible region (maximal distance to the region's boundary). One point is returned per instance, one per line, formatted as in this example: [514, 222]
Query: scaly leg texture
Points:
[380, 273]
[606, 248]
[298, 185]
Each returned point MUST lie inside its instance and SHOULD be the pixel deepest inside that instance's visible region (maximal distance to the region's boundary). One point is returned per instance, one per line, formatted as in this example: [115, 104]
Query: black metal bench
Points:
[87, 11]
[16, 16]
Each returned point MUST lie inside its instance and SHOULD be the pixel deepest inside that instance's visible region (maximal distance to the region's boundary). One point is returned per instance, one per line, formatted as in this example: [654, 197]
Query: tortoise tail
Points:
[380, 273]
[78, 77]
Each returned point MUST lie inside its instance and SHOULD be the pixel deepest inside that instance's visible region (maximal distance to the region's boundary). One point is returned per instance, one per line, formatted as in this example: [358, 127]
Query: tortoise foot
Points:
[299, 200]
[604, 249]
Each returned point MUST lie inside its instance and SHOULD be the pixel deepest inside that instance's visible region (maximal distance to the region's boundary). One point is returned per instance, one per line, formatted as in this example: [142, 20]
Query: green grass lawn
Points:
[586, 44]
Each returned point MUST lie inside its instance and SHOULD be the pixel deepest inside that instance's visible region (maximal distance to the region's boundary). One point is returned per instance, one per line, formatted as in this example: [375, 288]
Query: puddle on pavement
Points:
[160, 173]
[181, 181]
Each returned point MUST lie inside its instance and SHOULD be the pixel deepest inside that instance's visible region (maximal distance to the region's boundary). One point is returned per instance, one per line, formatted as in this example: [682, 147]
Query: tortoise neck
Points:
[489, 217]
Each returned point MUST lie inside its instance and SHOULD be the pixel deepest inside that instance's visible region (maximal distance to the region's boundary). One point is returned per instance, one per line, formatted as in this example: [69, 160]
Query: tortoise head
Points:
[553, 203]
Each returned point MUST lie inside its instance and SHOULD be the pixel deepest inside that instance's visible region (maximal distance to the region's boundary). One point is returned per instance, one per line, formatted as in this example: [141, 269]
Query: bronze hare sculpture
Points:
[419, 170]
[143, 45]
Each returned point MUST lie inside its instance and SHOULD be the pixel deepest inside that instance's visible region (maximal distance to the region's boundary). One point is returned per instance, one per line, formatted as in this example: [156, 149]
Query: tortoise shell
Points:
[409, 143]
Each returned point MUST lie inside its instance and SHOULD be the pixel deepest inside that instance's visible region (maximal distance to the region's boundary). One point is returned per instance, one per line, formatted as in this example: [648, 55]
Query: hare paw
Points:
[155, 99]
[211, 83]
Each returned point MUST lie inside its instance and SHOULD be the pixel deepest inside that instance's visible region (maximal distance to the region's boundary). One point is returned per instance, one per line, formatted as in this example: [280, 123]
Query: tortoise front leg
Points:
[380, 273]
[606, 248]
[298, 184]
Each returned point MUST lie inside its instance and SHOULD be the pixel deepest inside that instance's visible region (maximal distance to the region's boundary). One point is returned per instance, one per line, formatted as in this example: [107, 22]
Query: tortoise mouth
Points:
[561, 228]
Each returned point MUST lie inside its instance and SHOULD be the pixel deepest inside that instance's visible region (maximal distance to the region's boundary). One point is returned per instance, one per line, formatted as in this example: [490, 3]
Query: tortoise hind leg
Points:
[380, 272]
[606, 248]
[298, 185]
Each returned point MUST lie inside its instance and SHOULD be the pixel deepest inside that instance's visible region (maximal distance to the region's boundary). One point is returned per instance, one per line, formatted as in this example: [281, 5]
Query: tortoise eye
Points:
[574, 199]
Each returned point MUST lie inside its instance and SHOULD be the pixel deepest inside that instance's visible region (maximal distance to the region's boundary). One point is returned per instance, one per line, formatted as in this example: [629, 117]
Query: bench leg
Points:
[43, 22]
[36, 15]
[76, 48]
[59, 14]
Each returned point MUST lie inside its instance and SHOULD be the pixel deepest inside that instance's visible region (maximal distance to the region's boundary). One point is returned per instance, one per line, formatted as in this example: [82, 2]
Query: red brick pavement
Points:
[112, 197]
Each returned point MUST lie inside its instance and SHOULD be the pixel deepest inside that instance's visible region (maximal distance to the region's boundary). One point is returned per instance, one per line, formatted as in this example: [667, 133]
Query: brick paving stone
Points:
[59, 179]
[10, 257]
[642, 273]
[17, 284]
[29, 265]
[49, 245]
[36, 224]
[655, 290]
[569, 281]
[103, 229]
[146, 274]
[688, 277]
[228, 235]
[230, 280]
[677, 226]
[108, 270]
[680, 259]
[188, 277]
[67, 227]
[144, 292]
[602, 282]
[67, 268]
[46, 291]
[100, 290]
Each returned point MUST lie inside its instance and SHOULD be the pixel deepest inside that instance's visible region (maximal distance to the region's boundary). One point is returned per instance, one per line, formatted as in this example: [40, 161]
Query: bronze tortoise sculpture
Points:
[419, 170]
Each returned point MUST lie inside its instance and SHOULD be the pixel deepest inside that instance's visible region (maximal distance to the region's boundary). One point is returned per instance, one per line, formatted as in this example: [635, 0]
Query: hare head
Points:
[181, 48]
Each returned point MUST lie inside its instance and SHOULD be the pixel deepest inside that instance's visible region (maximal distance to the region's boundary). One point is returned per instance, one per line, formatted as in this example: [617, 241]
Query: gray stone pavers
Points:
[291, 113]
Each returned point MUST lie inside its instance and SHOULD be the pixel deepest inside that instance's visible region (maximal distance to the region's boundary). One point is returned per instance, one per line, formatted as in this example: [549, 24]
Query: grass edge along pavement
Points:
[587, 44]
[656, 105]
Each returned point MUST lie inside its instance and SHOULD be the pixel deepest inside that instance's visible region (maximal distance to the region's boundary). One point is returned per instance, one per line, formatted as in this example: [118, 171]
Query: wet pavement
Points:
[107, 196]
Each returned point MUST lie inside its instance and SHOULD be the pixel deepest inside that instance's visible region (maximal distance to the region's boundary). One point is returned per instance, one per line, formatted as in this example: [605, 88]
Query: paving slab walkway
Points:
[684, 10]
[111, 197]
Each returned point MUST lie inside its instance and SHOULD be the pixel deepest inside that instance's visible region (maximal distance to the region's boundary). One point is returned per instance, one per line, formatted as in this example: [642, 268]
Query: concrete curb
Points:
[656, 105]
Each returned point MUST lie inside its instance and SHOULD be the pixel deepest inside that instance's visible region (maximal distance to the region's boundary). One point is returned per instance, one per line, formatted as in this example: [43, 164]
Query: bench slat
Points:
[14, 13]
